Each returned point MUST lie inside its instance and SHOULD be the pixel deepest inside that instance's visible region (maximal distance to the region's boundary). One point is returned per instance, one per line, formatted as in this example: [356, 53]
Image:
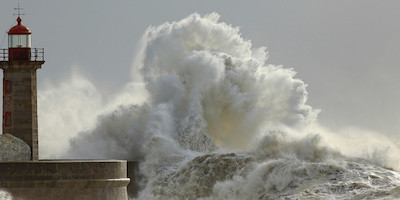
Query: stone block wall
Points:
[65, 179]
[20, 102]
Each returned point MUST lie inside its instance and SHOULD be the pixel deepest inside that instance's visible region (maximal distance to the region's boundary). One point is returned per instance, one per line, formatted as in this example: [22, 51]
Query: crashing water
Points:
[277, 169]
[5, 195]
[217, 123]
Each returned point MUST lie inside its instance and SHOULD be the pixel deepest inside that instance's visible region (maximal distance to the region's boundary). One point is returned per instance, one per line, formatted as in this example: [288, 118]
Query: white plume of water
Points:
[217, 78]
[72, 106]
[61, 115]
[205, 81]
[5, 195]
[216, 122]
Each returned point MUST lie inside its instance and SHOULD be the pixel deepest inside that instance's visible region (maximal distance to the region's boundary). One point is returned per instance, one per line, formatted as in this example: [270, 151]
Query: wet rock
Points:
[13, 148]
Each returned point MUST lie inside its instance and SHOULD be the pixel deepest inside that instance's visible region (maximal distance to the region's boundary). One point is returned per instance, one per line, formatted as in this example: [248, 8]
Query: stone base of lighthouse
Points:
[65, 179]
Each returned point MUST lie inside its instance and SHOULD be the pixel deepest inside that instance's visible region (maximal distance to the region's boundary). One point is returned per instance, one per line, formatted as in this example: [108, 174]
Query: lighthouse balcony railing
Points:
[36, 54]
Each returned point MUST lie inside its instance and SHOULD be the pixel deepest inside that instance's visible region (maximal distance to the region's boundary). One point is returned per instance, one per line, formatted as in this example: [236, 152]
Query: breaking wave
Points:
[218, 122]
[5, 195]
[277, 169]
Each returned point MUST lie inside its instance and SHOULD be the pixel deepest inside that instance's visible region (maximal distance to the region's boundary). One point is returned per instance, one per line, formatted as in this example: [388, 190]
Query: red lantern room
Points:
[19, 42]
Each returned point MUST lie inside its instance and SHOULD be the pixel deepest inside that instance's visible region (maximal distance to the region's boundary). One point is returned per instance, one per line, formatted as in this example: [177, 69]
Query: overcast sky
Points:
[346, 51]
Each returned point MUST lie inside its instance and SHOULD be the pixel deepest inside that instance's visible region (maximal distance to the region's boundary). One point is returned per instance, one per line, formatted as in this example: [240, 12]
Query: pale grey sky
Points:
[346, 51]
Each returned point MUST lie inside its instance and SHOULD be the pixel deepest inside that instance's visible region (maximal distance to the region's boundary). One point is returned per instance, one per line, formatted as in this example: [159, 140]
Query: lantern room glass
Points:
[19, 41]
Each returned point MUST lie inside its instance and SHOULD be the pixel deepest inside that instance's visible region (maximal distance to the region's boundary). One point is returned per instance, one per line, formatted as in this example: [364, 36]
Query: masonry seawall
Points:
[65, 179]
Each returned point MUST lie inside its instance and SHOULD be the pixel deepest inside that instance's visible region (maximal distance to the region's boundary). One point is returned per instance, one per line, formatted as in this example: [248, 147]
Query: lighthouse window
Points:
[28, 41]
[7, 86]
[7, 120]
[19, 41]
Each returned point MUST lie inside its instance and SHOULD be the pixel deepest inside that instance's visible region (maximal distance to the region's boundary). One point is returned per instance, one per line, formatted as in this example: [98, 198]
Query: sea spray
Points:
[279, 167]
[5, 195]
[206, 85]
[208, 72]
[217, 123]
[65, 109]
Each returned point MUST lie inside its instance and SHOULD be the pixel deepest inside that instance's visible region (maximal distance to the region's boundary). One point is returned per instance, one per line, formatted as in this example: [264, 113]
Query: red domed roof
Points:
[19, 29]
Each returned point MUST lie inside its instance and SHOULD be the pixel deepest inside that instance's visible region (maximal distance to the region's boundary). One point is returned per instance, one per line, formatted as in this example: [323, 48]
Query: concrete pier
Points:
[65, 179]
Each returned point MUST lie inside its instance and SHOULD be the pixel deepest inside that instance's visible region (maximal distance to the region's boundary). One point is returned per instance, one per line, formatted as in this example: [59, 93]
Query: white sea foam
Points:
[214, 121]
[278, 169]
[5, 195]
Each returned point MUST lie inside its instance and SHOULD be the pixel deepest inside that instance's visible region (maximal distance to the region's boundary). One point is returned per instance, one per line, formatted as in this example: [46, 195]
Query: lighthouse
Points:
[19, 63]
[45, 179]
